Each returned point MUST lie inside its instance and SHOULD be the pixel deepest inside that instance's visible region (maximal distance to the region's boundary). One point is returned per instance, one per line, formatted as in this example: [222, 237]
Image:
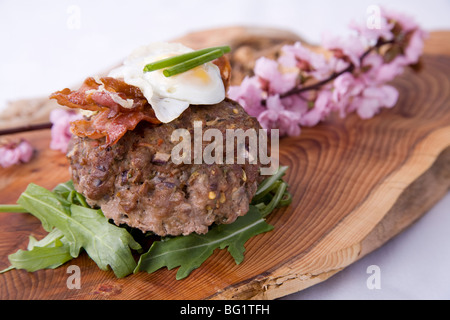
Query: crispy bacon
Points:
[113, 128]
[225, 70]
[119, 106]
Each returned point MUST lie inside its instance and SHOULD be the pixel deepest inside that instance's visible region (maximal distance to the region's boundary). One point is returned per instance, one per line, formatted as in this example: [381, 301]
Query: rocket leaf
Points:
[189, 252]
[48, 253]
[82, 227]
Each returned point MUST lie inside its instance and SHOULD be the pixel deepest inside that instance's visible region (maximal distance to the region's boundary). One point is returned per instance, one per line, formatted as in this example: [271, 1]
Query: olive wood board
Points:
[355, 184]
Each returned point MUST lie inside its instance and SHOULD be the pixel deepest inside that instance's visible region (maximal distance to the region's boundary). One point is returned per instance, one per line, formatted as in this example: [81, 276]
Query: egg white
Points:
[170, 96]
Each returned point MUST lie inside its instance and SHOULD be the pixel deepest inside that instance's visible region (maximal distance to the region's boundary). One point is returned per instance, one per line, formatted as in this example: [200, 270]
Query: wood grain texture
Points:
[356, 183]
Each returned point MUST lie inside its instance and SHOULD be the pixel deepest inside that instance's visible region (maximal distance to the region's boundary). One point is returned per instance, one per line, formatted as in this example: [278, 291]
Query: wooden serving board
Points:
[355, 184]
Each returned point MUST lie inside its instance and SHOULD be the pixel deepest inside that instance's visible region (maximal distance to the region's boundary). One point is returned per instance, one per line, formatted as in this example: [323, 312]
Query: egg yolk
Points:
[201, 74]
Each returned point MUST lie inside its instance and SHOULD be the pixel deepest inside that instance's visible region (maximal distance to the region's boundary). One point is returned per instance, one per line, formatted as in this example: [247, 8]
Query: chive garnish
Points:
[192, 63]
[187, 61]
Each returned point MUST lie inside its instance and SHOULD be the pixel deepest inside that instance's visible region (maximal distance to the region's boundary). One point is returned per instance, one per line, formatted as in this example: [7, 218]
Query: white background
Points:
[45, 47]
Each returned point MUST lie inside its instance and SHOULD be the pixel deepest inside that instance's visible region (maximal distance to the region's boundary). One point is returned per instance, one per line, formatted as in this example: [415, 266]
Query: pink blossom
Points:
[248, 95]
[382, 31]
[381, 72]
[415, 43]
[60, 133]
[296, 54]
[412, 53]
[276, 81]
[406, 22]
[346, 86]
[320, 111]
[373, 99]
[415, 47]
[353, 79]
[352, 47]
[296, 103]
[276, 116]
[13, 153]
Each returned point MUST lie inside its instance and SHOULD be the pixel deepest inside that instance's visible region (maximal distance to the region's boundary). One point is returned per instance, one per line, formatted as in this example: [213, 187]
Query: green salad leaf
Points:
[80, 227]
[189, 252]
[48, 253]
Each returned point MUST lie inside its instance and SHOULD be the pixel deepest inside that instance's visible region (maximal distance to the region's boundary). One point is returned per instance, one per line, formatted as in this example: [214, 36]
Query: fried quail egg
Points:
[170, 96]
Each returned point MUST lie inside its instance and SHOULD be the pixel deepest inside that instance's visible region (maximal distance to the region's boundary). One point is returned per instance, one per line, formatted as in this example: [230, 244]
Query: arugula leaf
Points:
[40, 258]
[82, 227]
[67, 191]
[48, 241]
[64, 188]
[49, 253]
[104, 242]
[189, 252]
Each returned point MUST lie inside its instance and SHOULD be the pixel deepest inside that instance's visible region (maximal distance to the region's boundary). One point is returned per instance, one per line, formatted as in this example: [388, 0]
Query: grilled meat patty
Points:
[135, 182]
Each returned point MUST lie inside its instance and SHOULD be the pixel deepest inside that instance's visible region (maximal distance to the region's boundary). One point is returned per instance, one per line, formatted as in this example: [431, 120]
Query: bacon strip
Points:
[120, 108]
[225, 70]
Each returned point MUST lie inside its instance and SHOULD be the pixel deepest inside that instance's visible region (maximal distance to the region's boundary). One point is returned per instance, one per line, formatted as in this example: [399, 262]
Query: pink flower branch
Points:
[334, 75]
[301, 88]
[26, 128]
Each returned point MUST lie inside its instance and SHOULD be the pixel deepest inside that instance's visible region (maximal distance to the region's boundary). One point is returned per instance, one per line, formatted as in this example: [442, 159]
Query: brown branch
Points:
[317, 85]
[334, 75]
[31, 127]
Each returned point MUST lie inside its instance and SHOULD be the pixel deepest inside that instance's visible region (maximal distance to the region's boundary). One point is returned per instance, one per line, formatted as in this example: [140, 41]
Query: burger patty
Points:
[135, 182]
